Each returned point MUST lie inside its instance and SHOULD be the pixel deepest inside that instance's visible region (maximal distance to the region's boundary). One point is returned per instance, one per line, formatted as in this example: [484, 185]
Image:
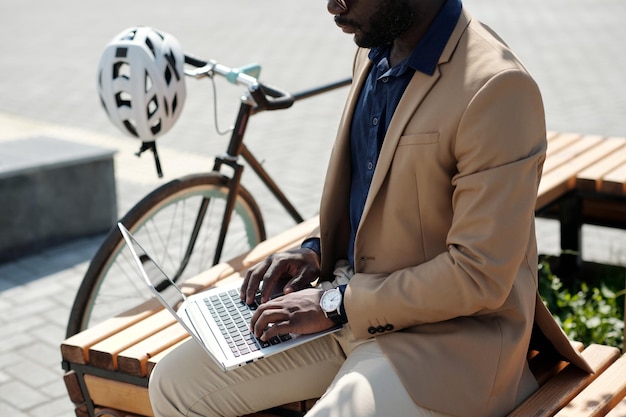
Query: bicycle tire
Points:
[161, 222]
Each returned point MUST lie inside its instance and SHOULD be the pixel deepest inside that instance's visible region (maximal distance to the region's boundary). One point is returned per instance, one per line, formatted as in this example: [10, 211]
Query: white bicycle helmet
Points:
[141, 82]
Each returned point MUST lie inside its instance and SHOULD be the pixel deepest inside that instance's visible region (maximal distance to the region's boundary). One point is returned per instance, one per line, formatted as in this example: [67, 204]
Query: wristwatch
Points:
[331, 304]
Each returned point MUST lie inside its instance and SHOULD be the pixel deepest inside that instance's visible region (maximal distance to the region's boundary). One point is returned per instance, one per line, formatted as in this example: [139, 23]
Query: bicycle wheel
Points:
[163, 222]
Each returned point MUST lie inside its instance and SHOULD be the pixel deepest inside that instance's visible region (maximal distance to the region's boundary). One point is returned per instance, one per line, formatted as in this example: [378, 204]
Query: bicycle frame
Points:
[253, 101]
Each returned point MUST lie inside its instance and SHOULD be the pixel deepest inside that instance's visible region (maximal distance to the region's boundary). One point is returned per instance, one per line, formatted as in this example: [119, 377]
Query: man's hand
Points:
[298, 313]
[284, 272]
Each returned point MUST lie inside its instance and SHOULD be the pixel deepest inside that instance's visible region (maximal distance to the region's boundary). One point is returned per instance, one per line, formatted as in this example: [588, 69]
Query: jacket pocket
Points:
[419, 139]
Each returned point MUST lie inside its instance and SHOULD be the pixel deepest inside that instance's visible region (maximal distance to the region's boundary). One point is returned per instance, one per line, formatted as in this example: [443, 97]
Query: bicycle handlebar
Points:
[265, 96]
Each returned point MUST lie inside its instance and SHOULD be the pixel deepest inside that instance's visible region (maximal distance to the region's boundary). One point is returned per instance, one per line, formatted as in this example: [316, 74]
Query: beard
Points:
[392, 19]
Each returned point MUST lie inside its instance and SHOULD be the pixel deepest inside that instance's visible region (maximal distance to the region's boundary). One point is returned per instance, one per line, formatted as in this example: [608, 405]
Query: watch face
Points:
[331, 300]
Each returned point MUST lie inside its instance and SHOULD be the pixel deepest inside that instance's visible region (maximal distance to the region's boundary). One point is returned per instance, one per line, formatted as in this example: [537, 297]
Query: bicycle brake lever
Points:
[205, 71]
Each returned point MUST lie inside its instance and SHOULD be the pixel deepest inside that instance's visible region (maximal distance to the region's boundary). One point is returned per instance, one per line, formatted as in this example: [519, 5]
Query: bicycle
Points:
[178, 221]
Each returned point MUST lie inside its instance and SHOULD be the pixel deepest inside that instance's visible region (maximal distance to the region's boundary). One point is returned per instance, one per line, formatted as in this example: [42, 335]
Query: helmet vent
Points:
[150, 46]
[168, 75]
[121, 69]
[129, 36]
[130, 126]
[121, 52]
[156, 128]
[171, 59]
[174, 104]
[123, 98]
[153, 106]
[148, 82]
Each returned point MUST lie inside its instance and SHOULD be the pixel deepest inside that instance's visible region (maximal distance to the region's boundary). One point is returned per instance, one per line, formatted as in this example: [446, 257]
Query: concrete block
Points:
[52, 191]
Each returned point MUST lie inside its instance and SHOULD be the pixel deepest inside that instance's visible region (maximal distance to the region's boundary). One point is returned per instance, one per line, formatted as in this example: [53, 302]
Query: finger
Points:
[266, 319]
[257, 319]
[275, 329]
[252, 281]
[272, 274]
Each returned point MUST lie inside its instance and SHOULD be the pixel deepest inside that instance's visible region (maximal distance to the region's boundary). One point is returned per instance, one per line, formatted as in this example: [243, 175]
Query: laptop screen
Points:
[153, 274]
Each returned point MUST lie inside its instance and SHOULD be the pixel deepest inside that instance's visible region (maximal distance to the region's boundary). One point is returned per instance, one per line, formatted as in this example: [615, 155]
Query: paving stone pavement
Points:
[48, 64]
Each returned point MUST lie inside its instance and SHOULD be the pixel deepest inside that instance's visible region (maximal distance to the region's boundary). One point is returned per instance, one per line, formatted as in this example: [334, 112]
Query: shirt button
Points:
[375, 121]
[385, 79]
[370, 165]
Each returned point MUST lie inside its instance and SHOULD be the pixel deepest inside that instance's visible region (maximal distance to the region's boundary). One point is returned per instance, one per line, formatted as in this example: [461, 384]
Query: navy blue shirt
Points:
[377, 103]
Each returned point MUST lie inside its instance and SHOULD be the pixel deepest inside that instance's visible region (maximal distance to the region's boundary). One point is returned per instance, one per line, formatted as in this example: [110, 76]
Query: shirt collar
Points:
[426, 54]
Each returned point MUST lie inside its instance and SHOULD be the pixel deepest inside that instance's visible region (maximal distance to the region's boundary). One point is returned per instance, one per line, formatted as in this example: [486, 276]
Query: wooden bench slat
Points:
[544, 368]
[104, 354]
[587, 151]
[619, 410]
[566, 154]
[75, 349]
[133, 361]
[601, 395]
[562, 178]
[119, 395]
[559, 141]
[564, 386]
[590, 179]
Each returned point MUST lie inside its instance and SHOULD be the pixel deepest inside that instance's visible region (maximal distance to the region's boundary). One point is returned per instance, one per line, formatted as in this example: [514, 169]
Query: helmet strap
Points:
[151, 146]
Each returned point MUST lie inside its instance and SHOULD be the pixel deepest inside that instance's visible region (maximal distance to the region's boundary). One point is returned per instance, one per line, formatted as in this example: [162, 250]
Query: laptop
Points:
[216, 318]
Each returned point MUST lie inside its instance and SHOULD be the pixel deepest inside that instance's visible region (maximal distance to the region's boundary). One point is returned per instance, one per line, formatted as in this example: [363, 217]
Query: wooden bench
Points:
[583, 182]
[108, 366]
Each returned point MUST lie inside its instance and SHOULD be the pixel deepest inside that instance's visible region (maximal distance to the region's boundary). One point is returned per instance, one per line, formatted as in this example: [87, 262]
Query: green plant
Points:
[589, 314]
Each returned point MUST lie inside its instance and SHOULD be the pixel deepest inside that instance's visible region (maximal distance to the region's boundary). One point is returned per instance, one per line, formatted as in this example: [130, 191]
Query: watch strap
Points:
[335, 317]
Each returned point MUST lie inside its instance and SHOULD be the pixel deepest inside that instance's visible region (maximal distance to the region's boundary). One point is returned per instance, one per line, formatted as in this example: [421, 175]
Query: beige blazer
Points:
[445, 254]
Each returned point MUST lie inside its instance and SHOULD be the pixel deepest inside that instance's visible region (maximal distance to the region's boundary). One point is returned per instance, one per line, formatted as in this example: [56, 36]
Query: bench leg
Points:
[571, 220]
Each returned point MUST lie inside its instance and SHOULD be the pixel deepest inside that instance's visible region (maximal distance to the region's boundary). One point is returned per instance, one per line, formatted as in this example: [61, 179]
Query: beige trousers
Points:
[188, 383]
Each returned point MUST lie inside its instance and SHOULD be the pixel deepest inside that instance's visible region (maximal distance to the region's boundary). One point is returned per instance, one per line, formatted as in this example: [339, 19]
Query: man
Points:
[429, 196]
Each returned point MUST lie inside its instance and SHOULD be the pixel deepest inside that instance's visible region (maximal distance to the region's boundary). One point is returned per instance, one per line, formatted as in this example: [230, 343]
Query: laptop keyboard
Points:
[233, 318]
